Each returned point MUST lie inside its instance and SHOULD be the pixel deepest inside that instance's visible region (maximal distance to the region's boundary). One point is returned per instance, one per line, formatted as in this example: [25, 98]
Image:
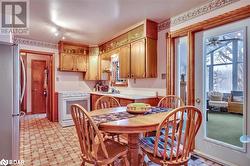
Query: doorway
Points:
[39, 87]
[39, 84]
[221, 87]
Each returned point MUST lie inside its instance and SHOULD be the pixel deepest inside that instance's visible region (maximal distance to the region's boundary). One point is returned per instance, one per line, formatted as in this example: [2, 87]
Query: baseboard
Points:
[215, 159]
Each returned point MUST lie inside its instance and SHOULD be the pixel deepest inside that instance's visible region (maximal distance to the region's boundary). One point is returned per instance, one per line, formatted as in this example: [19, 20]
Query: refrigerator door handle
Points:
[21, 114]
[24, 79]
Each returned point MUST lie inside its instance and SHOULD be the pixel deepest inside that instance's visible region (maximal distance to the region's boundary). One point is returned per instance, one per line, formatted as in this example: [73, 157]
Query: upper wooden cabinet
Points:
[137, 51]
[151, 58]
[124, 61]
[93, 71]
[138, 59]
[144, 58]
[73, 57]
[147, 29]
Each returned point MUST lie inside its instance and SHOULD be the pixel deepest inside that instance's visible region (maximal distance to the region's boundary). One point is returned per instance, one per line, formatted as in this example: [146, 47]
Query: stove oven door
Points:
[68, 102]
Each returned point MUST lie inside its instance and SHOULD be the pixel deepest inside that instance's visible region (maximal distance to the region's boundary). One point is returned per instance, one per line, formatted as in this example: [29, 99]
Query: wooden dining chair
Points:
[176, 145]
[106, 102]
[95, 149]
[171, 101]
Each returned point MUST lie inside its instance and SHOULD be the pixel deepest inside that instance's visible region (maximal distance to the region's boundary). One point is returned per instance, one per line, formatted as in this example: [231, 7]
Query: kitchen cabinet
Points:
[124, 101]
[81, 63]
[137, 51]
[138, 59]
[72, 57]
[151, 58]
[93, 99]
[93, 71]
[124, 61]
[67, 62]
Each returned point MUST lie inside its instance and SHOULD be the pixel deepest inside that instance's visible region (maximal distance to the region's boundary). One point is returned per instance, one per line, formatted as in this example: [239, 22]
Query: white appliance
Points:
[66, 99]
[10, 99]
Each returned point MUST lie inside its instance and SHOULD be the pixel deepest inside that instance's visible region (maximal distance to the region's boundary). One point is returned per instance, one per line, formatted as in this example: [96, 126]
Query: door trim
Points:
[52, 101]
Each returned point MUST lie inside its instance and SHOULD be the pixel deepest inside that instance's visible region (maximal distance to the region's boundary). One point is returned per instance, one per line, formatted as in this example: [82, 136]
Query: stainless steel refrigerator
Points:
[10, 98]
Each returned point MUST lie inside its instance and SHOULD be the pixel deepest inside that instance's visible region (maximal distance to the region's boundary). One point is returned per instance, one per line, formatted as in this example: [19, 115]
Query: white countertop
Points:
[125, 96]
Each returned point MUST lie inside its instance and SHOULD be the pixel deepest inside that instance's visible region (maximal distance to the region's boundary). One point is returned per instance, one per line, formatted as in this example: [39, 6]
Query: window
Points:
[116, 80]
[224, 59]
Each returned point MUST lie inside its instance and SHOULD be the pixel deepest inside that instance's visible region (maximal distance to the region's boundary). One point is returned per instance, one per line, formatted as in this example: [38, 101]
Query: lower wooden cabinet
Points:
[124, 102]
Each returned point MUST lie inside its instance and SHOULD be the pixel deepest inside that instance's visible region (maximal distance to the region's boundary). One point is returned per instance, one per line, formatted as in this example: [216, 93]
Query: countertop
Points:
[125, 96]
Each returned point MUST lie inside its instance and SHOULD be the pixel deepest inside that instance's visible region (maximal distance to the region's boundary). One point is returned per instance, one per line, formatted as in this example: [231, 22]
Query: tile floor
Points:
[43, 143]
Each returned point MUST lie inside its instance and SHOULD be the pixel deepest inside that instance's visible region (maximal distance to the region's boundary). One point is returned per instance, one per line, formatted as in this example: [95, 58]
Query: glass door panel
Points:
[181, 67]
[225, 87]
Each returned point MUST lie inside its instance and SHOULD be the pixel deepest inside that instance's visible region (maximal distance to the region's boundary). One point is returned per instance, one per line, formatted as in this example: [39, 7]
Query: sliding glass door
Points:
[221, 83]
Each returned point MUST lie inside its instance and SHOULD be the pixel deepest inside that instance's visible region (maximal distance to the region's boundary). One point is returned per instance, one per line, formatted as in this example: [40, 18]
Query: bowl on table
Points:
[138, 108]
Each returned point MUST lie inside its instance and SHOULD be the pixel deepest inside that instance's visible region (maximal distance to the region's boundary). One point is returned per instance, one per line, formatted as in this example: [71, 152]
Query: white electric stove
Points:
[66, 99]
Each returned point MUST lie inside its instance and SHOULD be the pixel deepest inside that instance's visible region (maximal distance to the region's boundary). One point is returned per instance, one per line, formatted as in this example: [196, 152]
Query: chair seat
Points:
[114, 149]
[147, 144]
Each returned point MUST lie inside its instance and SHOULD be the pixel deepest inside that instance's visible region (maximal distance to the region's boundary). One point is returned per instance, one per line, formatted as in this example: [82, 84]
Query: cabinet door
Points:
[138, 59]
[124, 61]
[94, 98]
[67, 62]
[125, 102]
[93, 68]
[81, 63]
[151, 58]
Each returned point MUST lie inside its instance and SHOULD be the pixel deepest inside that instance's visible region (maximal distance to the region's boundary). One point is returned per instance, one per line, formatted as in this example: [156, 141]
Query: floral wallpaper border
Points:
[34, 43]
[193, 13]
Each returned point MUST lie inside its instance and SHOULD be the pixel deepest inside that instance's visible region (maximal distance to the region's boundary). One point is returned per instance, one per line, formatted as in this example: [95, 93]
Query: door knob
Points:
[198, 100]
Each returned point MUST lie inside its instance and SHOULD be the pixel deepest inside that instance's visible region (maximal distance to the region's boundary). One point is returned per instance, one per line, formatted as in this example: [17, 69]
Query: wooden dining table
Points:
[134, 127]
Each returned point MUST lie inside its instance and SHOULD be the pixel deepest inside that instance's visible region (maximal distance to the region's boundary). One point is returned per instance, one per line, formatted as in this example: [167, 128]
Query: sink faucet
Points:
[114, 90]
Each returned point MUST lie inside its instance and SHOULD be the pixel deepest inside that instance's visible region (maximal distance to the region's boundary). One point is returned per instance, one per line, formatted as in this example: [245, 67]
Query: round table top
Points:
[137, 124]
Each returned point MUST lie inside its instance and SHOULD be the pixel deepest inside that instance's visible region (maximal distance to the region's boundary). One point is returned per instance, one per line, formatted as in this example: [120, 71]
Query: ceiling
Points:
[94, 21]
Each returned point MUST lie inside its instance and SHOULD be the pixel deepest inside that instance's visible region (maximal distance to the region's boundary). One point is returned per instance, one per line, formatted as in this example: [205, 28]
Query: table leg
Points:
[133, 149]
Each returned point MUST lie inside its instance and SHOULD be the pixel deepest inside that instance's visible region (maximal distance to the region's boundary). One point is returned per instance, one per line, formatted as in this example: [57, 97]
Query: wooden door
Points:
[67, 62]
[124, 61]
[38, 98]
[138, 59]
[81, 63]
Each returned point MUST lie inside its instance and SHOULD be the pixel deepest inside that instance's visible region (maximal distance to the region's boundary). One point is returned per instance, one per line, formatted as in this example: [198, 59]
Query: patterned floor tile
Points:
[43, 143]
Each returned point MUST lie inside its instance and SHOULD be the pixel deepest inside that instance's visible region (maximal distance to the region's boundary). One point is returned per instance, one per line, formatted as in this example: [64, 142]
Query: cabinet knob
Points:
[128, 75]
[132, 75]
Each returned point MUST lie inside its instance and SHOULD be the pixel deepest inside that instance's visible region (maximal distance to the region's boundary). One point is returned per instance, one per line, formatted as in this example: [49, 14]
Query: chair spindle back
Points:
[180, 128]
[106, 102]
[88, 134]
[171, 101]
